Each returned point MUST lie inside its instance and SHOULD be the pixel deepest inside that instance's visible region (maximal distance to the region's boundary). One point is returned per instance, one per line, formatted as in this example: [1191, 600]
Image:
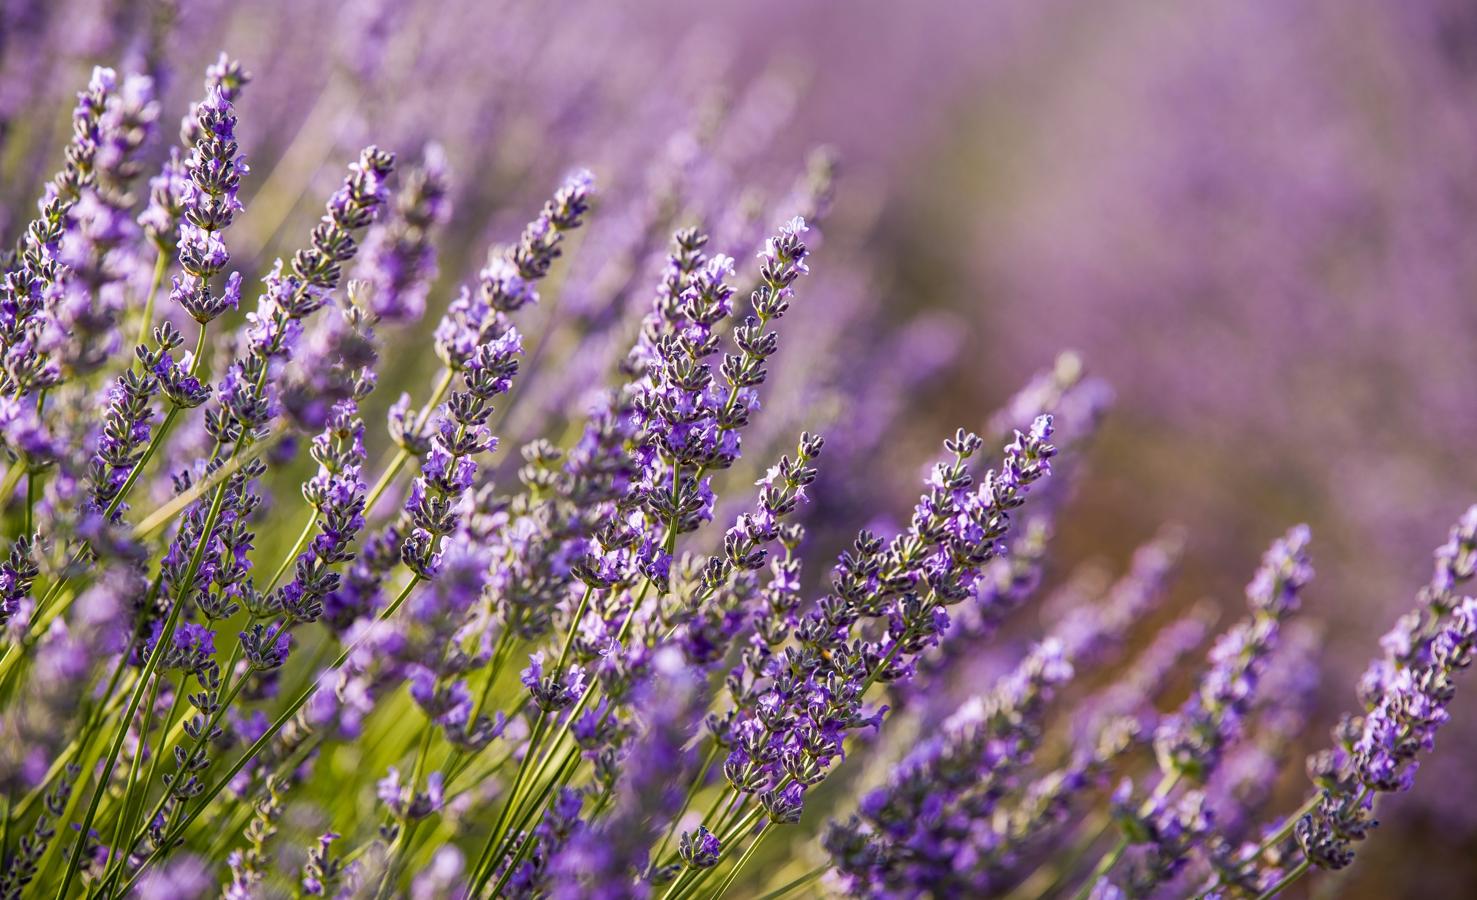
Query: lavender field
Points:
[575, 449]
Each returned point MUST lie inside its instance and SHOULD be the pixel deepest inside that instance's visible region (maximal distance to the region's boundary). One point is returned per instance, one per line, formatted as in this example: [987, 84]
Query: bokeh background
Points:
[1255, 219]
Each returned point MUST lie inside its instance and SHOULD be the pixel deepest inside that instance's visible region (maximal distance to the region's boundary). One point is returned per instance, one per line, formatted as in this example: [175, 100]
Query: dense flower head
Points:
[561, 625]
[399, 258]
[1406, 696]
[1191, 741]
[208, 205]
[507, 283]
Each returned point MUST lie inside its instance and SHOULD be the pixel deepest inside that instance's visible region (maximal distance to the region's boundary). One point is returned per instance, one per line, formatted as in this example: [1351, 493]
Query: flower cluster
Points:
[254, 643]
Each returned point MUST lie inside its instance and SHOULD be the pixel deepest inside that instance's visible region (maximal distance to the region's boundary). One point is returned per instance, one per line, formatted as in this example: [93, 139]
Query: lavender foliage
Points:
[561, 623]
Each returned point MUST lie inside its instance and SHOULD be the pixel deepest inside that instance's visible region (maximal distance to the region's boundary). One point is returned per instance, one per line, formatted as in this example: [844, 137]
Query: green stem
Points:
[123, 822]
[500, 654]
[407, 829]
[251, 752]
[163, 800]
[166, 636]
[1103, 867]
[28, 520]
[164, 514]
[31, 483]
[291, 556]
[1106, 863]
[1287, 880]
[802, 881]
[403, 456]
[522, 825]
[692, 791]
[161, 264]
[1282, 833]
[12, 478]
[495, 837]
[748, 852]
[684, 886]
[117, 747]
[526, 766]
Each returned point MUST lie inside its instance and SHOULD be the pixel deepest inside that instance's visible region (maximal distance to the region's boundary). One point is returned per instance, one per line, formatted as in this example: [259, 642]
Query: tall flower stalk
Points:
[256, 640]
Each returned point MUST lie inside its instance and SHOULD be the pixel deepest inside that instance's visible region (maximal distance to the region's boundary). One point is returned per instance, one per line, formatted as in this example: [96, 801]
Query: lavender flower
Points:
[215, 169]
[17, 574]
[449, 467]
[923, 818]
[99, 252]
[1406, 696]
[28, 292]
[606, 862]
[173, 190]
[781, 740]
[323, 871]
[127, 422]
[1190, 742]
[506, 283]
[21, 868]
[561, 613]
[399, 259]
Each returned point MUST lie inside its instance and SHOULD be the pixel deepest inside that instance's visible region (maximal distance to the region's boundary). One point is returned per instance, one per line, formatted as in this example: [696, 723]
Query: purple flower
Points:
[506, 283]
[1190, 742]
[399, 257]
[208, 207]
[554, 691]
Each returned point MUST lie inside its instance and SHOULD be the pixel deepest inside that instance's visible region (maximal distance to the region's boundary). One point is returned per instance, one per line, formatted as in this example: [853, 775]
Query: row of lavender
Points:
[535, 688]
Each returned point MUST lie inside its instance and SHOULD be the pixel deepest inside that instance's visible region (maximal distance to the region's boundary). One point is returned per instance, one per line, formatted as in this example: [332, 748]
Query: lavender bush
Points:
[549, 612]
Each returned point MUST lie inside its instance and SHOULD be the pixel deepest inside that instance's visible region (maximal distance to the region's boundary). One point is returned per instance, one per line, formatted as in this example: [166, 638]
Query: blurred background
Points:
[1254, 219]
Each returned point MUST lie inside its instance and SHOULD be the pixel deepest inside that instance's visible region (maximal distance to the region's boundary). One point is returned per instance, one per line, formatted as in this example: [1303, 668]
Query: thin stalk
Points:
[27, 526]
[460, 759]
[692, 792]
[156, 440]
[585, 697]
[166, 635]
[1108, 861]
[251, 752]
[163, 800]
[161, 264]
[495, 837]
[12, 478]
[534, 741]
[684, 886]
[1275, 838]
[164, 514]
[1282, 833]
[291, 556]
[123, 822]
[417, 770]
[1103, 867]
[403, 456]
[802, 881]
[500, 653]
[522, 826]
[117, 747]
[5, 822]
[483, 774]
[28, 520]
[397, 462]
[748, 852]
[89, 763]
[735, 802]
[1287, 880]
